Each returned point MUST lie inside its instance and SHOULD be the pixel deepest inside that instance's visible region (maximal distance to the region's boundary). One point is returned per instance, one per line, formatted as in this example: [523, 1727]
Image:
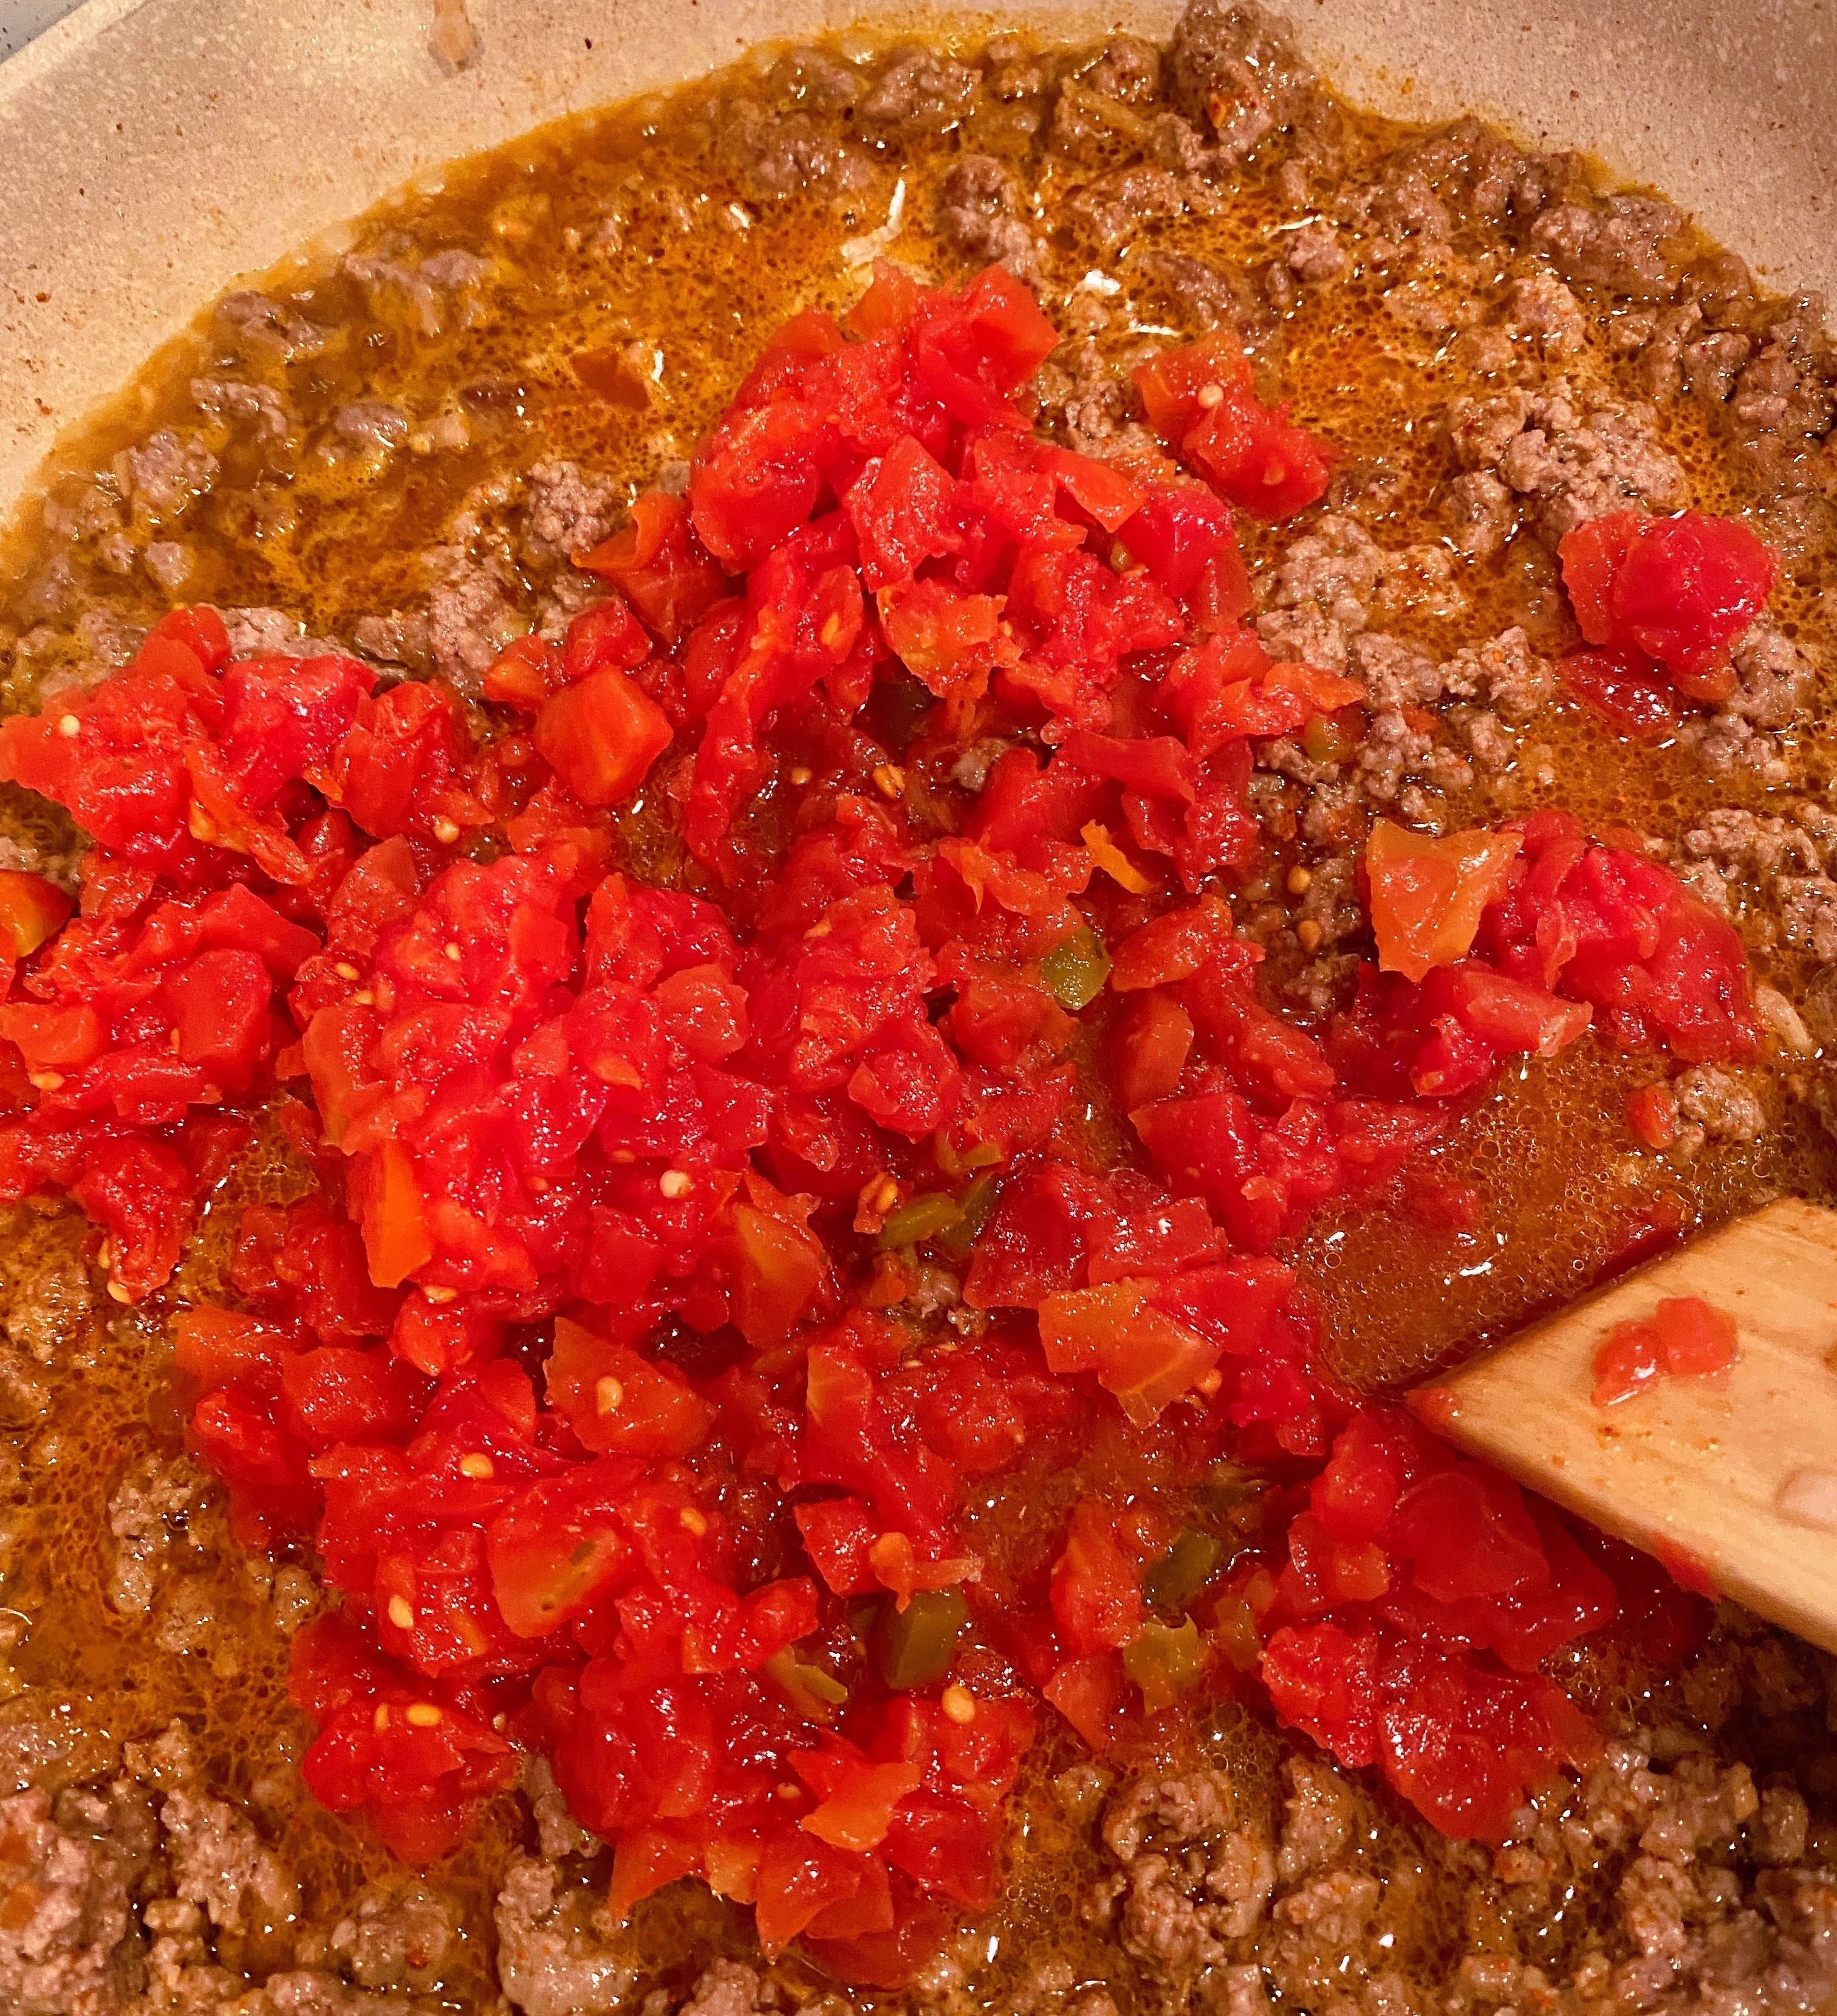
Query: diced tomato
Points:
[1679, 590]
[620, 1403]
[1260, 462]
[601, 734]
[1652, 1112]
[1096, 1591]
[1685, 1337]
[1591, 557]
[552, 1105]
[558, 1547]
[1176, 384]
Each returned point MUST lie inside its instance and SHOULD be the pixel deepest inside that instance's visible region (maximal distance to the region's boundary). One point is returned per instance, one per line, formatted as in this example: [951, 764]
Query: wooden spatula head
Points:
[1730, 1479]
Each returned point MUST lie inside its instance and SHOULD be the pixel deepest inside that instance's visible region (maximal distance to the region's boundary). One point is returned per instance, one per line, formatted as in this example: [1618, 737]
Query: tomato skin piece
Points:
[1591, 557]
[602, 735]
[1427, 895]
[659, 567]
[32, 910]
[1096, 1592]
[1626, 687]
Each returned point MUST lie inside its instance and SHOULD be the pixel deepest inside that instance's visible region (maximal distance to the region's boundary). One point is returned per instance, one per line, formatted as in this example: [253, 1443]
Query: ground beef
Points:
[1545, 315]
[1114, 208]
[775, 154]
[1774, 677]
[1314, 253]
[269, 412]
[1808, 913]
[396, 1935]
[395, 639]
[150, 1514]
[556, 1956]
[1090, 404]
[49, 1302]
[266, 633]
[1784, 402]
[1724, 1105]
[1506, 672]
[1192, 1875]
[68, 1942]
[1394, 672]
[1234, 68]
[558, 1834]
[1728, 745]
[1316, 1817]
[220, 1863]
[1465, 178]
[169, 562]
[268, 329]
[1628, 245]
[1330, 909]
[1479, 512]
[473, 612]
[725, 1988]
[372, 424]
[1207, 297]
[434, 290]
[568, 512]
[1322, 593]
[979, 218]
[920, 91]
[1396, 752]
[164, 473]
[1569, 460]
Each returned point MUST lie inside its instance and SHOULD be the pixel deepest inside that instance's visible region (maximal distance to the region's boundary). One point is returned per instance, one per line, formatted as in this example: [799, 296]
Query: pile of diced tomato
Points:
[604, 1362]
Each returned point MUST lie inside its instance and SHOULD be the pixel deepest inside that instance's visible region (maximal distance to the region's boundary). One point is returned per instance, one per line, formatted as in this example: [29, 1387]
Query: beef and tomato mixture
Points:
[792, 897]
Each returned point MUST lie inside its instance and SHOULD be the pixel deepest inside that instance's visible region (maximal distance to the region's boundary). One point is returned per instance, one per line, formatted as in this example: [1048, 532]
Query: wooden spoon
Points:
[1730, 1479]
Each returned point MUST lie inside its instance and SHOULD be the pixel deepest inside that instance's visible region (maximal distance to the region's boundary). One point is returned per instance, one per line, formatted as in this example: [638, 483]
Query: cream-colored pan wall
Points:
[151, 150]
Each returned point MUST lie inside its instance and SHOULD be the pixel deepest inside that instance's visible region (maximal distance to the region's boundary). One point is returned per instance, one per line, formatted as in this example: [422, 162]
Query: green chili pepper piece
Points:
[1179, 1576]
[1076, 970]
[974, 1209]
[924, 1218]
[915, 1646]
[1163, 1660]
[810, 1689]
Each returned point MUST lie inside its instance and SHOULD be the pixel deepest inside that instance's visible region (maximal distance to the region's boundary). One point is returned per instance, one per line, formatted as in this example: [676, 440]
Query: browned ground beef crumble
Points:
[389, 451]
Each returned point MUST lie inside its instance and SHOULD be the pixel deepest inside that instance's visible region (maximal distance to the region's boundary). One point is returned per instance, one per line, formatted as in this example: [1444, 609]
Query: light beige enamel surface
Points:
[153, 150]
